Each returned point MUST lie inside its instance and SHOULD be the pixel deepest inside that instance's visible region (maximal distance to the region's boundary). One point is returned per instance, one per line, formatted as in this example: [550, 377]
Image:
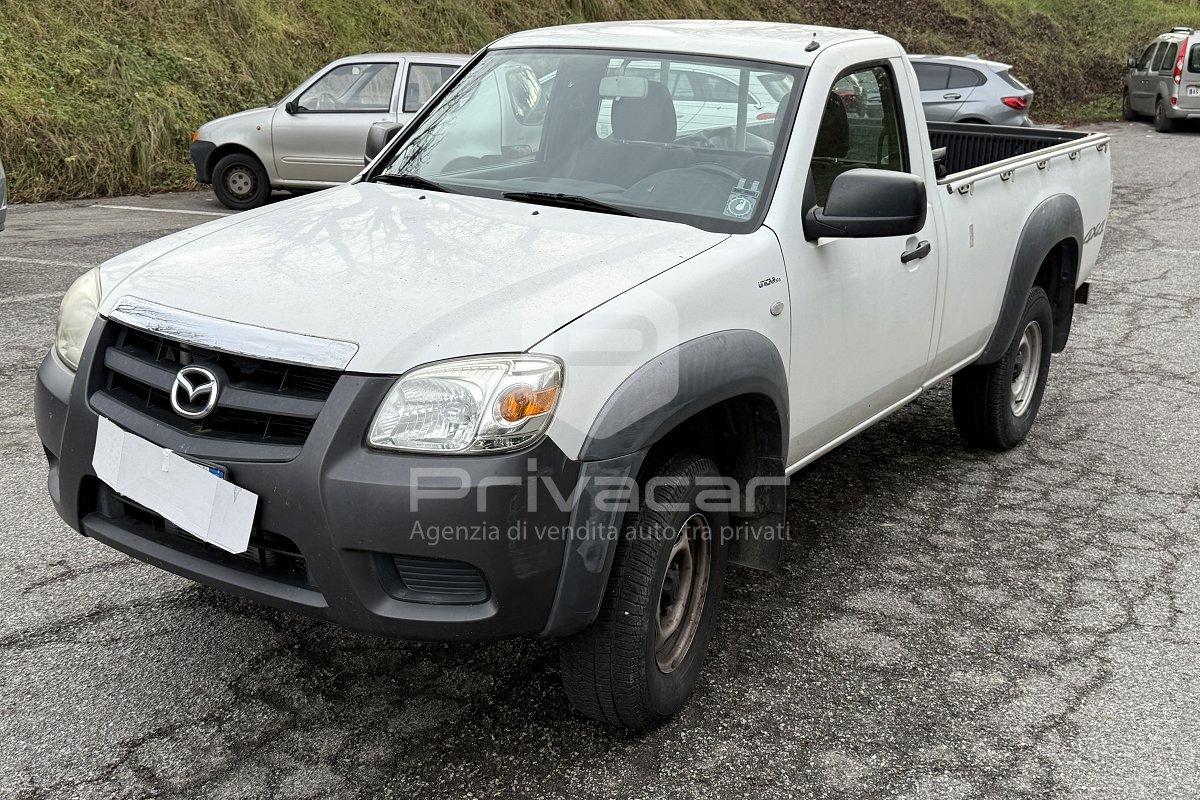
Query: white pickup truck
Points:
[553, 386]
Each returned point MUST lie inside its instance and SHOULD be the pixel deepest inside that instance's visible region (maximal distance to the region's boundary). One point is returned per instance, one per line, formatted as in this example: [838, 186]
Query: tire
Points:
[1127, 112]
[1162, 123]
[616, 671]
[240, 182]
[995, 405]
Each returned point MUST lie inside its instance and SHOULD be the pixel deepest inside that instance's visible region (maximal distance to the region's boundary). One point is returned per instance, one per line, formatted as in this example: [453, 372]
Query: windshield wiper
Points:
[568, 201]
[412, 182]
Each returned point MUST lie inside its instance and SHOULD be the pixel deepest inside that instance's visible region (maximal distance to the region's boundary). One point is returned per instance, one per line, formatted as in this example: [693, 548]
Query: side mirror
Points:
[378, 137]
[1131, 62]
[291, 107]
[869, 203]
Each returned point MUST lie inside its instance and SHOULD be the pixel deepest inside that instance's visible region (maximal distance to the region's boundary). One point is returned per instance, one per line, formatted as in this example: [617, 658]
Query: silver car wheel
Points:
[1026, 368]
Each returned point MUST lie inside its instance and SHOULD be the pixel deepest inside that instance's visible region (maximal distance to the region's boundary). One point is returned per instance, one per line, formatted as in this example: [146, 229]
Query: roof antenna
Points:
[813, 45]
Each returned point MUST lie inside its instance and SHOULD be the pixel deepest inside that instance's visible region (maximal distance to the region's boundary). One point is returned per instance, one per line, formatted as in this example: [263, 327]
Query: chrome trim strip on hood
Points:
[235, 338]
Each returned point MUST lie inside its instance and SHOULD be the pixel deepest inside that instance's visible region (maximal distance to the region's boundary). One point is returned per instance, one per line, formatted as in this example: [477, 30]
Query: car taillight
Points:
[766, 115]
[1183, 49]
[1017, 103]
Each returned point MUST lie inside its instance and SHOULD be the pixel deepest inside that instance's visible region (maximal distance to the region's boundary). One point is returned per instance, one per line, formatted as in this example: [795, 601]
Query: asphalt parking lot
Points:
[947, 624]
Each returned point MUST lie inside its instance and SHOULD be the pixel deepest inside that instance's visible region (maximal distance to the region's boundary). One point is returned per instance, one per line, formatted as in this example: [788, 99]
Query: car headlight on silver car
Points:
[485, 404]
[80, 306]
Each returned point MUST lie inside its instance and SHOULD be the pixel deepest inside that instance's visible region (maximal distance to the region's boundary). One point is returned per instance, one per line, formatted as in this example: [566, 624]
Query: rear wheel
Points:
[1162, 123]
[240, 182]
[639, 661]
[995, 405]
[1127, 112]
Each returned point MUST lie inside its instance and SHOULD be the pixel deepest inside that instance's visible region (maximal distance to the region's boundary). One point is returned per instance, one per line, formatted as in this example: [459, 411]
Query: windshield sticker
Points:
[742, 200]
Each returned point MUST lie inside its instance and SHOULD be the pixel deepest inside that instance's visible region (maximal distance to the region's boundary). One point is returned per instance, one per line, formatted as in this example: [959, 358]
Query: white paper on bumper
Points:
[187, 494]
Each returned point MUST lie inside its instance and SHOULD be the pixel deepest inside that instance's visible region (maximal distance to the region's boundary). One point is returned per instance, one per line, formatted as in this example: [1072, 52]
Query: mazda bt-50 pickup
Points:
[544, 366]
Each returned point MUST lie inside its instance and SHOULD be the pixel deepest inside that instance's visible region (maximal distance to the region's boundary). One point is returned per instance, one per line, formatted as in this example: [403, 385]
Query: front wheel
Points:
[240, 182]
[639, 661]
[1127, 112]
[995, 405]
[1162, 123]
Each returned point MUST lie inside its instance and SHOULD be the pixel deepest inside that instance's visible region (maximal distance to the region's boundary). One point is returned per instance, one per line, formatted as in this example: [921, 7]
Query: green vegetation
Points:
[99, 97]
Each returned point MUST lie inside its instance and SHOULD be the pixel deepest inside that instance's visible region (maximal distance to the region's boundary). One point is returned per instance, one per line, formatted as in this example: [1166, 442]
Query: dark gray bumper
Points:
[346, 508]
[200, 153]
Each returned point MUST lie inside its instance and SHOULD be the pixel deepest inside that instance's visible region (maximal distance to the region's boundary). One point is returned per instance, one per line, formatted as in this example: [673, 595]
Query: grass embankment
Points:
[99, 96]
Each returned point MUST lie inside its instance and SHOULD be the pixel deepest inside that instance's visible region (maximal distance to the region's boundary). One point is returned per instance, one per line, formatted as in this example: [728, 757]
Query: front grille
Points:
[434, 580]
[260, 401]
[270, 555]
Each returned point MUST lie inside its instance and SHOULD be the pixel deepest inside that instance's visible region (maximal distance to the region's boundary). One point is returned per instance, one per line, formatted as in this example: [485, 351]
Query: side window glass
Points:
[351, 87]
[932, 77]
[1158, 57]
[1147, 57]
[1194, 59]
[963, 78]
[423, 81]
[859, 128]
[1169, 57]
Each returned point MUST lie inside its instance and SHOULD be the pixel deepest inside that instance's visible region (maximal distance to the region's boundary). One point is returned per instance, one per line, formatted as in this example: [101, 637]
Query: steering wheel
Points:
[326, 101]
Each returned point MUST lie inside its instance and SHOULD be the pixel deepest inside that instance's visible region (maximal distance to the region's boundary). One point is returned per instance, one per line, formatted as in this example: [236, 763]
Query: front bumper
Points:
[200, 153]
[346, 509]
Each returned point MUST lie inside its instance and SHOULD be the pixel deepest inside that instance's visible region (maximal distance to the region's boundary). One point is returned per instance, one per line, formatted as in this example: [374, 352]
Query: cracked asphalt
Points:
[947, 624]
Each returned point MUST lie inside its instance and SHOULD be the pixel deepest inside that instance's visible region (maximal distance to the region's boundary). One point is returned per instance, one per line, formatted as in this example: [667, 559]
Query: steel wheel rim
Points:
[240, 182]
[682, 593]
[1026, 367]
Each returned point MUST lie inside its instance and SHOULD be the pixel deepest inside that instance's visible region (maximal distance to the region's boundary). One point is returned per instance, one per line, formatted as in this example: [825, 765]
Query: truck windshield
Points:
[684, 138]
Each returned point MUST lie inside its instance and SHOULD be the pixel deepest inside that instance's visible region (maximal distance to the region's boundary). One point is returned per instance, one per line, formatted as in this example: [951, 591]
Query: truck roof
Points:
[776, 42]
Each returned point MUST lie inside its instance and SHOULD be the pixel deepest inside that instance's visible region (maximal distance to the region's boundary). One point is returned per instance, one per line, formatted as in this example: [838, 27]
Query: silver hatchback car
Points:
[1164, 81]
[970, 89]
[314, 137]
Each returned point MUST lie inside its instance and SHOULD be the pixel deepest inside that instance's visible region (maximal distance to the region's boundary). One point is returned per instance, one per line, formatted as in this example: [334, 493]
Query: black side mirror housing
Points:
[378, 137]
[867, 204]
[291, 107]
[1131, 62]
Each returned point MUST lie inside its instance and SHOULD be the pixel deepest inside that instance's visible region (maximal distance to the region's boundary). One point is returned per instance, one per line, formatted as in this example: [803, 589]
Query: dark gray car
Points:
[1163, 81]
[970, 89]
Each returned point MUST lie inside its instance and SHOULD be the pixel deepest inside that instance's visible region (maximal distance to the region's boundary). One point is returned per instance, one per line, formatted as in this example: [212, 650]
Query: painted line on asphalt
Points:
[42, 262]
[25, 298]
[166, 210]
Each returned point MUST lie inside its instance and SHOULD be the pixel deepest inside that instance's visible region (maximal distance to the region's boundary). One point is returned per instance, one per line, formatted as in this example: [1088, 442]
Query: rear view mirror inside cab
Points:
[618, 86]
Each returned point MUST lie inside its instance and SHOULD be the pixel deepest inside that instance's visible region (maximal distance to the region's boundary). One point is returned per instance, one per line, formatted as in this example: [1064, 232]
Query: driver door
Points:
[322, 141]
[862, 319]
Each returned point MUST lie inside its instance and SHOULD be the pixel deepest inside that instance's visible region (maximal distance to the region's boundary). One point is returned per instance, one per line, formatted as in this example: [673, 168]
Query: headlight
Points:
[472, 405]
[78, 311]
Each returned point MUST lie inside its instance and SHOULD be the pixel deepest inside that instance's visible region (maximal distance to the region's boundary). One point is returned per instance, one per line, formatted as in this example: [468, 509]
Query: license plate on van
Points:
[1194, 91]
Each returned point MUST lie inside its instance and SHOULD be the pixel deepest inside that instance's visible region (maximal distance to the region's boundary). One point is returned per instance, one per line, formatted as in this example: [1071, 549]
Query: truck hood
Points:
[409, 277]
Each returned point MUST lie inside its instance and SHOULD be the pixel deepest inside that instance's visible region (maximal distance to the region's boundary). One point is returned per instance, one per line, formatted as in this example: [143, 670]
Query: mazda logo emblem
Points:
[194, 392]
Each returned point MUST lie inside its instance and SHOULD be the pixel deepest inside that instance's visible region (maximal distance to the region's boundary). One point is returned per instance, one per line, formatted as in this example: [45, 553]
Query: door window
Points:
[1147, 57]
[351, 88]
[423, 81]
[932, 77]
[1158, 57]
[1194, 59]
[860, 127]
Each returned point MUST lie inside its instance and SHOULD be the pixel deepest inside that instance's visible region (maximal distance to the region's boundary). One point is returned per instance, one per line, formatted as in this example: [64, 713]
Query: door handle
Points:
[952, 96]
[917, 253]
